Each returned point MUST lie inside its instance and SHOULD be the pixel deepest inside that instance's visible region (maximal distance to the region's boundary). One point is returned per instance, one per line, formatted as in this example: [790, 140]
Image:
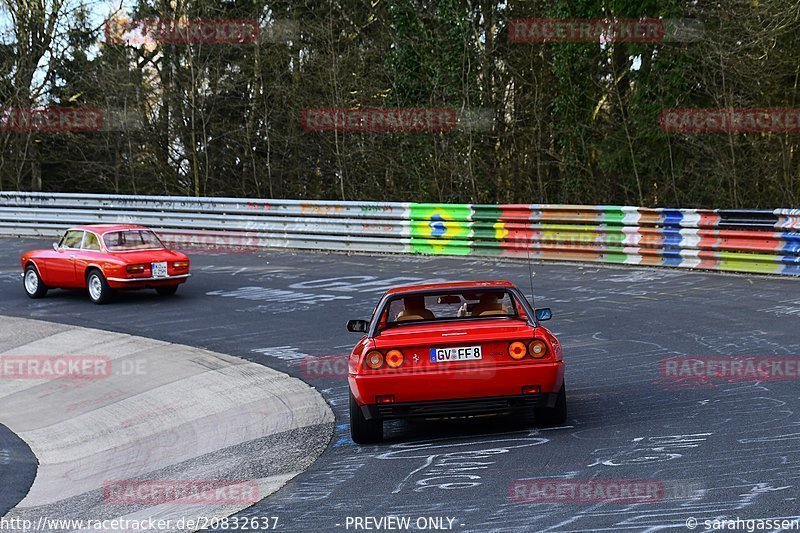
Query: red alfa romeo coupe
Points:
[454, 350]
[103, 258]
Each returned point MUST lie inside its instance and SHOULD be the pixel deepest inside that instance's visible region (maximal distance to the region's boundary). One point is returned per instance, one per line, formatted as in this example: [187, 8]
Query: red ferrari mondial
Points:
[451, 350]
[103, 258]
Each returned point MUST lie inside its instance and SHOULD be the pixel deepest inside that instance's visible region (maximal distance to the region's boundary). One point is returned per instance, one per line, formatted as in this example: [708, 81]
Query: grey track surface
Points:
[734, 446]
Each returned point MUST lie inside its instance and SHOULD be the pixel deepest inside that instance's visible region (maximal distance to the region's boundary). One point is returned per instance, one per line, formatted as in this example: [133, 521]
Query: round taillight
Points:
[517, 350]
[374, 360]
[394, 358]
[537, 349]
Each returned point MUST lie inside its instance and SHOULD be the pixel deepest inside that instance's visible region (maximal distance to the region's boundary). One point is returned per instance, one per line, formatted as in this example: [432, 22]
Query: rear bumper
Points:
[457, 392]
[458, 407]
[144, 283]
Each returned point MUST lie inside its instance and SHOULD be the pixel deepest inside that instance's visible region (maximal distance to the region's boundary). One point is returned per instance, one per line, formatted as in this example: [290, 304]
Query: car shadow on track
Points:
[118, 297]
[456, 428]
[585, 414]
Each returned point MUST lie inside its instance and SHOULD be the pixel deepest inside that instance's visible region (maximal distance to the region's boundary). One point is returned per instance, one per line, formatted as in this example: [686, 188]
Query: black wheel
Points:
[363, 431]
[167, 290]
[34, 286]
[553, 416]
[99, 291]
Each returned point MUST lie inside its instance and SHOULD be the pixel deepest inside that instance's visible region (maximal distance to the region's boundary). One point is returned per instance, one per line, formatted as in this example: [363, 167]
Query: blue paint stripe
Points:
[671, 258]
[672, 238]
[673, 217]
[790, 267]
[791, 243]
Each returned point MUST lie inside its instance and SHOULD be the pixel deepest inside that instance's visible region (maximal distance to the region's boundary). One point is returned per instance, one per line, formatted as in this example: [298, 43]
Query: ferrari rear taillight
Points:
[394, 358]
[537, 348]
[135, 269]
[374, 360]
[180, 265]
[517, 350]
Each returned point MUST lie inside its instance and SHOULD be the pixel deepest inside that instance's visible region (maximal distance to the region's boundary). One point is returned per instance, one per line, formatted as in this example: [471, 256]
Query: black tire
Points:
[99, 291]
[363, 431]
[556, 415]
[167, 290]
[33, 284]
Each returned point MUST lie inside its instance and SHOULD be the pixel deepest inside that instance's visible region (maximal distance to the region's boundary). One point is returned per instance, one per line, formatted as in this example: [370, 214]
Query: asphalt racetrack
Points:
[715, 448]
[17, 469]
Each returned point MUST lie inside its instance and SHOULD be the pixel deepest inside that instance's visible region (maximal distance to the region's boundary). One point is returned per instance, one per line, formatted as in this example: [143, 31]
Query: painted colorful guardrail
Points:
[729, 240]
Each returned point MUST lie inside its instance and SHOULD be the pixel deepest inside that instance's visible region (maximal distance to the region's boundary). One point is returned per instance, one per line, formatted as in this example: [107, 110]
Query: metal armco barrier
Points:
[765, 242]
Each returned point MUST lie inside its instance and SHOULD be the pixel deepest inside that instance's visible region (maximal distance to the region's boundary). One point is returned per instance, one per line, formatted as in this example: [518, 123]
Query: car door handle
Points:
[73, 256]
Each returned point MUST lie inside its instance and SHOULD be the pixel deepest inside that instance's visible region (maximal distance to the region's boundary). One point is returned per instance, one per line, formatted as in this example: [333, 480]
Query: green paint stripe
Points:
[613, 215]
[486, 213]
[612, 256]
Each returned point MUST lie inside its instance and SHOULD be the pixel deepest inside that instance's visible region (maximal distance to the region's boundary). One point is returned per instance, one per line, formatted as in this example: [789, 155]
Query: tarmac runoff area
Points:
[147, 420]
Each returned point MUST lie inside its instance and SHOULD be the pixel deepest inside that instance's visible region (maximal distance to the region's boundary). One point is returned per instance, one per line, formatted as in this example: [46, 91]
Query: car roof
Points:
[102, 228]
[452, 285]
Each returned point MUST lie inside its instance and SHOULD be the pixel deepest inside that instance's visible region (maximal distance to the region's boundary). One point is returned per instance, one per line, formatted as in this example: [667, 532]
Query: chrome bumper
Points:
[128, 280]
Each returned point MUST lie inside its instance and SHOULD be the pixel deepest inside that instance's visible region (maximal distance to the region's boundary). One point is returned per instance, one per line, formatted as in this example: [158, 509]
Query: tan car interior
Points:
[489, 305]
[414, 309]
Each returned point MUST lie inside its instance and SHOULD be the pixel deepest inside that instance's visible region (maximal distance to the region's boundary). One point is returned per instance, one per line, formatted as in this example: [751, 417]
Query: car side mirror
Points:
[544, 314]
[357, 326]
[55, 246]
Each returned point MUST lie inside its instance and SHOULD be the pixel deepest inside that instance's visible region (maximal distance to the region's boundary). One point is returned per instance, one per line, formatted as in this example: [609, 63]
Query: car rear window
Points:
[126, 240]
[450, 305]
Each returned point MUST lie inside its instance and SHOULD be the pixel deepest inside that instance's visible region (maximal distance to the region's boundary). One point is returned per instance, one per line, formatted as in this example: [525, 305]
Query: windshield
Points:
[450, 305]
[127, 240]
